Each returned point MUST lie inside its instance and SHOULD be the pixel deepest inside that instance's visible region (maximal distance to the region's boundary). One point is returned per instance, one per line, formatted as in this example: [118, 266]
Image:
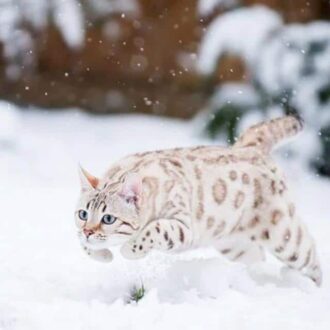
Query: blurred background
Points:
[91, 81]
[228, 63]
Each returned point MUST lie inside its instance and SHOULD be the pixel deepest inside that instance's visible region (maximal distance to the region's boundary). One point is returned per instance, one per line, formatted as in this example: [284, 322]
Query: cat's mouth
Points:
[95, 242]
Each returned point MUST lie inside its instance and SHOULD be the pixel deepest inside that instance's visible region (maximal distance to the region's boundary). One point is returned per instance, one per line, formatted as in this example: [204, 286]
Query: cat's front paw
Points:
[131, 250]
[103, 255]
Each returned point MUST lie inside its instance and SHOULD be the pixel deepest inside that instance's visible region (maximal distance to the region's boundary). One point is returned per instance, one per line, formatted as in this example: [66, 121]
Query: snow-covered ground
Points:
[46, 282]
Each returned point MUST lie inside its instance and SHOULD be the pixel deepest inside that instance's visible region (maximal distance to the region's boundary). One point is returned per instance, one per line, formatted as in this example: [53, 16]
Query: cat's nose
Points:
[88, 232]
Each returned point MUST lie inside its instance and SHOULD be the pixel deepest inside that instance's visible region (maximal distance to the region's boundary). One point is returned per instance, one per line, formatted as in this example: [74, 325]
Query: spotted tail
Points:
[267, 134]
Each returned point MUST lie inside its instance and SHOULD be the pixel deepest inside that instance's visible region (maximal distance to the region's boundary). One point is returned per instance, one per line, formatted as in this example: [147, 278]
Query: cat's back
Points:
[186, 161]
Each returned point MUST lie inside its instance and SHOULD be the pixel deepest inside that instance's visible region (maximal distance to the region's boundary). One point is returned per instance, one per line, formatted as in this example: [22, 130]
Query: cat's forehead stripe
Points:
[90, 204]
[99, 200]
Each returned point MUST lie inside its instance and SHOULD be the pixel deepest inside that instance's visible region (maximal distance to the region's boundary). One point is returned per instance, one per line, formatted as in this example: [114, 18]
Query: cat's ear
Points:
[131, 190]
[87, 180]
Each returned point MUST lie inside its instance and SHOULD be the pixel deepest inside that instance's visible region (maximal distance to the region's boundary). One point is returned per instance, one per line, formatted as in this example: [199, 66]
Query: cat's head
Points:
[107, 213]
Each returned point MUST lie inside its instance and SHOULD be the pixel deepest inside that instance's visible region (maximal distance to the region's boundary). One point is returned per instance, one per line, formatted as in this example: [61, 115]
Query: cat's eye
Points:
[83, 215]
[108, 219]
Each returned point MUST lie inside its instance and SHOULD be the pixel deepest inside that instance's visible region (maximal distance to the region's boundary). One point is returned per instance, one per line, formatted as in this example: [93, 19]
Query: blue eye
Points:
[108, 219]
[83, 215]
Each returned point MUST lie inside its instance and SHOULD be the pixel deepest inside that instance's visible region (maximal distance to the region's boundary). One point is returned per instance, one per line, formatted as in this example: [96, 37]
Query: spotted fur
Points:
[235, 199]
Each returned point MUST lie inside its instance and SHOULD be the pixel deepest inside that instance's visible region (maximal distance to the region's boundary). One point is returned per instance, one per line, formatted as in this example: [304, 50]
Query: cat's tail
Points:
[266, 135]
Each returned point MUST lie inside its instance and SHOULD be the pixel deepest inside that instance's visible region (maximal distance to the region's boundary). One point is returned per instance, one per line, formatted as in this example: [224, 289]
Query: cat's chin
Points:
[95, 245]
[99, 245]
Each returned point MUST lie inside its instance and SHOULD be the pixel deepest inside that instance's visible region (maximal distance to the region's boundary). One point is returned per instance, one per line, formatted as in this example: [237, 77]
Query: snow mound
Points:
[48, 283]
[9, 123]
[241, 32]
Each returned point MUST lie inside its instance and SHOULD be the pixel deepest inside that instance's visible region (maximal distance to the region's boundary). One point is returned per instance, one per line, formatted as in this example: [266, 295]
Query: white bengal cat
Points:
[234, 199]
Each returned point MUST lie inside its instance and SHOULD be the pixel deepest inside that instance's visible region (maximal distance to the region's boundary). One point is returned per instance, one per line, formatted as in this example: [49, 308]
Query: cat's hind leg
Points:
[287, 238]
[161, 234]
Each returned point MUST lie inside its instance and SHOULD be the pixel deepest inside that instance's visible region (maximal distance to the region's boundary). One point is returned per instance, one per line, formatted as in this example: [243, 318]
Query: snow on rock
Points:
[46, 282]
[206, 7]
[241, 32]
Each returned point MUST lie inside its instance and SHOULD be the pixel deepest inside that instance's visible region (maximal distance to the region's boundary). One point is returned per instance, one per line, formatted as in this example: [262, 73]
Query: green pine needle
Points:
[137, 293]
